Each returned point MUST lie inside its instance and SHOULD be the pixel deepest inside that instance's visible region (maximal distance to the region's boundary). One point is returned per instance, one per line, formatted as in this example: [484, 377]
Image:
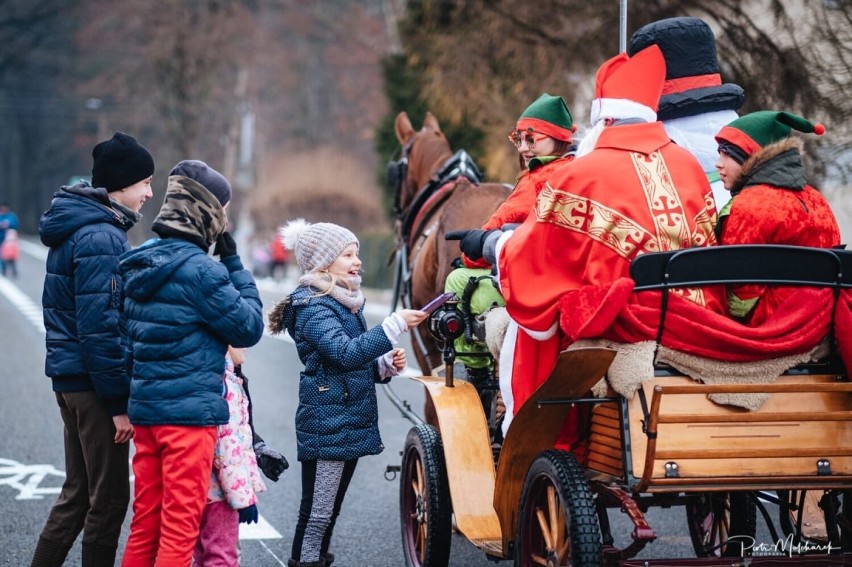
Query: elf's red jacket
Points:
[518, 206]
[772, 204]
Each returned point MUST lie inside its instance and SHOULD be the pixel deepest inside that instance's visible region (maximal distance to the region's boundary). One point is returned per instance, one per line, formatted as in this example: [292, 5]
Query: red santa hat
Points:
[630, 87]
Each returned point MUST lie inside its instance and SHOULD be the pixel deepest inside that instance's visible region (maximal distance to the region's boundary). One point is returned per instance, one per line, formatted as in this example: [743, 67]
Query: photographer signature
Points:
[784, 546]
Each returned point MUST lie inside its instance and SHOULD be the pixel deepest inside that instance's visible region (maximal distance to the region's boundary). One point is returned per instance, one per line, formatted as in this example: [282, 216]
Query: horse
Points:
[436, 191]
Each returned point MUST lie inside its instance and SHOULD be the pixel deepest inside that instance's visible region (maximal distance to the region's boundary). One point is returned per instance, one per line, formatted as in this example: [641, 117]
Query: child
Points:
[337, 417]
[10, 252]
[232, 497]
[183, 310]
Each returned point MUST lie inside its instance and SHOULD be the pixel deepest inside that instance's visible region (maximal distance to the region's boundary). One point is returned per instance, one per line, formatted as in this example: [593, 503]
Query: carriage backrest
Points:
[747, 263]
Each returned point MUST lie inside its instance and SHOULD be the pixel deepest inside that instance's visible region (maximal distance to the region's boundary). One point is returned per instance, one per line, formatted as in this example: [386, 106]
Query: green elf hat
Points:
[548, 115]
[758, 129]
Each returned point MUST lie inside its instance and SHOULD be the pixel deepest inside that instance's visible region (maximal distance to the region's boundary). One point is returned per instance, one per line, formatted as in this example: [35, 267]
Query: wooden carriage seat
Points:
[677, 439]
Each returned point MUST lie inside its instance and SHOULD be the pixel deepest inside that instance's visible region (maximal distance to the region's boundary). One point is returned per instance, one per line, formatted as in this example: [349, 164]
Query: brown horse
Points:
[424, 257]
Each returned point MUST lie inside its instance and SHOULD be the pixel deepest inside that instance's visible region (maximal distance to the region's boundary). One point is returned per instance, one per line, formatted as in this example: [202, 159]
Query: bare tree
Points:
[555, 46]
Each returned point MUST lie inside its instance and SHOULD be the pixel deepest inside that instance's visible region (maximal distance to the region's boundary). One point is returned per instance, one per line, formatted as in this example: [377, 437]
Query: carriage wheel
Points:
[838, 518]
[558, 524]
[714, 518]
[424, 499]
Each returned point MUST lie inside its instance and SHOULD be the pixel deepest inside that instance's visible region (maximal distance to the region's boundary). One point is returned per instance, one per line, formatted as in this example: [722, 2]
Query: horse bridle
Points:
[397, 173]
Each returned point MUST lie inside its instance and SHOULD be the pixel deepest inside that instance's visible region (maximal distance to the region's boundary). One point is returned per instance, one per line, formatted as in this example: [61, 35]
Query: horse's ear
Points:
[403, 128]
[431, 122]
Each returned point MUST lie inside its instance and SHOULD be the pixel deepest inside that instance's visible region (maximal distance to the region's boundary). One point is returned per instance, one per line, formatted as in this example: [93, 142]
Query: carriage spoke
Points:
[552, 505]
[564, 549]
[421, 543]
[545, 529]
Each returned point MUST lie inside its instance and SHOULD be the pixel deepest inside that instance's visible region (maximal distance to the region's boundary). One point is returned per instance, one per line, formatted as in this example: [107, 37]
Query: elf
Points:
[760, 163]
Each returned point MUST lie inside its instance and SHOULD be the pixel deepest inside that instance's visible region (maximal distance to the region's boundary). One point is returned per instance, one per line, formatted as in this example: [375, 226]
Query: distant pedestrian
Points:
[235, 482]
[279, 257]
[183, 310]
[8, 221]
[87, 348]
[337, 417]
[10, 251]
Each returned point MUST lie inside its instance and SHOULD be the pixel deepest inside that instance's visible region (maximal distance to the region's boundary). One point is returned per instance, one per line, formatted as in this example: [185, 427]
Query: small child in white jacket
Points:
[235, 482]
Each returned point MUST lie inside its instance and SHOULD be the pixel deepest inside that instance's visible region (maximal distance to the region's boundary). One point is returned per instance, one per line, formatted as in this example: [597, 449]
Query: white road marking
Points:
[277, 559]
[23, 303]
[261, 530]
[26, 479]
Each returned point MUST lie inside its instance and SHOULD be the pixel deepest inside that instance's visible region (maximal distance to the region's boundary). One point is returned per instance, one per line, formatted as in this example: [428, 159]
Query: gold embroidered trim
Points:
[605, 225]
[625, 236]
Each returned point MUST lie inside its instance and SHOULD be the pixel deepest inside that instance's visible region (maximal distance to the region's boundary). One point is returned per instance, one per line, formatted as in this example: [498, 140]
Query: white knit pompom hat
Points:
[316, 245]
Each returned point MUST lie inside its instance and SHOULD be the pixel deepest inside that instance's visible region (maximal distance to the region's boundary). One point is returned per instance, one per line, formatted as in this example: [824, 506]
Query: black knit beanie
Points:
[120, 162]
[211, 179]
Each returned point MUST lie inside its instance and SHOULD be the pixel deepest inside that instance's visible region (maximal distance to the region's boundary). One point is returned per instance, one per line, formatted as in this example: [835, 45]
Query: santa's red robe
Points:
[636, 192]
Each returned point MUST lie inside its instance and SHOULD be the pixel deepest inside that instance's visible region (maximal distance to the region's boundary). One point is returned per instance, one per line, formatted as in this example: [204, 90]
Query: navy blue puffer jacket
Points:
[87, 348]
[183, 310]
[337, 418]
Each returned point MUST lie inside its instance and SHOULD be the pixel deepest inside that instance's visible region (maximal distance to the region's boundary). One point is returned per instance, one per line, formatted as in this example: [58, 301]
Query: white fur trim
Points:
[498, 250]
[496, 322]
[620, 108]
[542, 335]
[507, 358]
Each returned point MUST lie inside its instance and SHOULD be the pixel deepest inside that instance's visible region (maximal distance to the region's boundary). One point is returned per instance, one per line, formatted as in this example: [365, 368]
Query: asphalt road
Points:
[368, 531]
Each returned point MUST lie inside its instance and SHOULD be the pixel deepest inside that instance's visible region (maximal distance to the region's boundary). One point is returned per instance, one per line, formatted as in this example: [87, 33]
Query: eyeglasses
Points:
[517, 137]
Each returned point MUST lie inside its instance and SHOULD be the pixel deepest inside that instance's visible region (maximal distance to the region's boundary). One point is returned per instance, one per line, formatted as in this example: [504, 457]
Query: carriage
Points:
[666, 445]
[668, 440]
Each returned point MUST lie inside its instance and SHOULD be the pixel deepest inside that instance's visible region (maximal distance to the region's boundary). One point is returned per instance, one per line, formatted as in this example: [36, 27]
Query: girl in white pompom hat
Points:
[337, 417]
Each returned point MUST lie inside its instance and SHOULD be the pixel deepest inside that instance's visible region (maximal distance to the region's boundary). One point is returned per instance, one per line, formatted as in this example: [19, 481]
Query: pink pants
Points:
[218, 539]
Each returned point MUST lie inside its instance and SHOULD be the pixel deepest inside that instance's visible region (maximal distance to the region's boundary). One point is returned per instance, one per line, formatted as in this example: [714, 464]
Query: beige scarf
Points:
[345, 290]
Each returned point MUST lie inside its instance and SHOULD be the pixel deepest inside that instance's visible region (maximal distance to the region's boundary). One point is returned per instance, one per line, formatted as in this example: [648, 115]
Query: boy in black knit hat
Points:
[87, 355]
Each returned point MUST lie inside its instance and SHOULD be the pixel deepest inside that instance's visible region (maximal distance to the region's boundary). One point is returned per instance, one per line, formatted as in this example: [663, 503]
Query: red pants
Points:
[172, 466]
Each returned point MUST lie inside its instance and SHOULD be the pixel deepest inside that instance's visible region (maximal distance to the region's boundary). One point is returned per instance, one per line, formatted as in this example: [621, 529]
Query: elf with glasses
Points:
[543, 137]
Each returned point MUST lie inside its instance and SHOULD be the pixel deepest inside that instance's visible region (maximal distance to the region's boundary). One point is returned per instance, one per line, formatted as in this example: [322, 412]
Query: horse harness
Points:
[459, 168]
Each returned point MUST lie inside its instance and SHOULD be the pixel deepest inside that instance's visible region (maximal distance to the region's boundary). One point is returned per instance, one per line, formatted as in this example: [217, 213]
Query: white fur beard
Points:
[590, 138]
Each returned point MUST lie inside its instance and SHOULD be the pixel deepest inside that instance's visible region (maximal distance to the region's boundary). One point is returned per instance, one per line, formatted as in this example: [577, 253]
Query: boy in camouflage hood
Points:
[184, 308]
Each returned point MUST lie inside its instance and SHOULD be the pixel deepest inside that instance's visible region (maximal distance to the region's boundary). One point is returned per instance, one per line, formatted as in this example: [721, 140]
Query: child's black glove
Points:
[225, 246]
[471, 243]
[270, 461]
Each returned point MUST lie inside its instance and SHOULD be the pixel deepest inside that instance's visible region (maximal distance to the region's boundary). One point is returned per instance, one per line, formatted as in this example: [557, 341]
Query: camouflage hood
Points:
[190, 210]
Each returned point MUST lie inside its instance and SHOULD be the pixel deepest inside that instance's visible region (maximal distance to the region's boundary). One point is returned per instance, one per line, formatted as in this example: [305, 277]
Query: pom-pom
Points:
[819, 129]
[291, 231]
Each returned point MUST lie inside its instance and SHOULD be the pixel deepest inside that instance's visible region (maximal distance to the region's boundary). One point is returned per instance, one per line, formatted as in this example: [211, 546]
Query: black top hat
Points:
[693, 83]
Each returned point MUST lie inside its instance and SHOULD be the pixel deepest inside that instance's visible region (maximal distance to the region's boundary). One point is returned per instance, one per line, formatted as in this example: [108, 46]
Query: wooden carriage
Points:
[666, 445]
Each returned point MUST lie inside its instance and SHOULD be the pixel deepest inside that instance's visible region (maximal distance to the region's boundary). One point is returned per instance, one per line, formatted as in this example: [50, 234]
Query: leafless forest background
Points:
[315, 85]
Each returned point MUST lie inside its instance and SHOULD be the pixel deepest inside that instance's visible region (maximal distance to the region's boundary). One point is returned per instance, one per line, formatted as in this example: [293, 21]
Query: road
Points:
[368, 531]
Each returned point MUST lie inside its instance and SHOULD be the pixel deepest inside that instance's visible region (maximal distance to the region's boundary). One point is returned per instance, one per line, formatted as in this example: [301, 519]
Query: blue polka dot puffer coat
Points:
[337, 418]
